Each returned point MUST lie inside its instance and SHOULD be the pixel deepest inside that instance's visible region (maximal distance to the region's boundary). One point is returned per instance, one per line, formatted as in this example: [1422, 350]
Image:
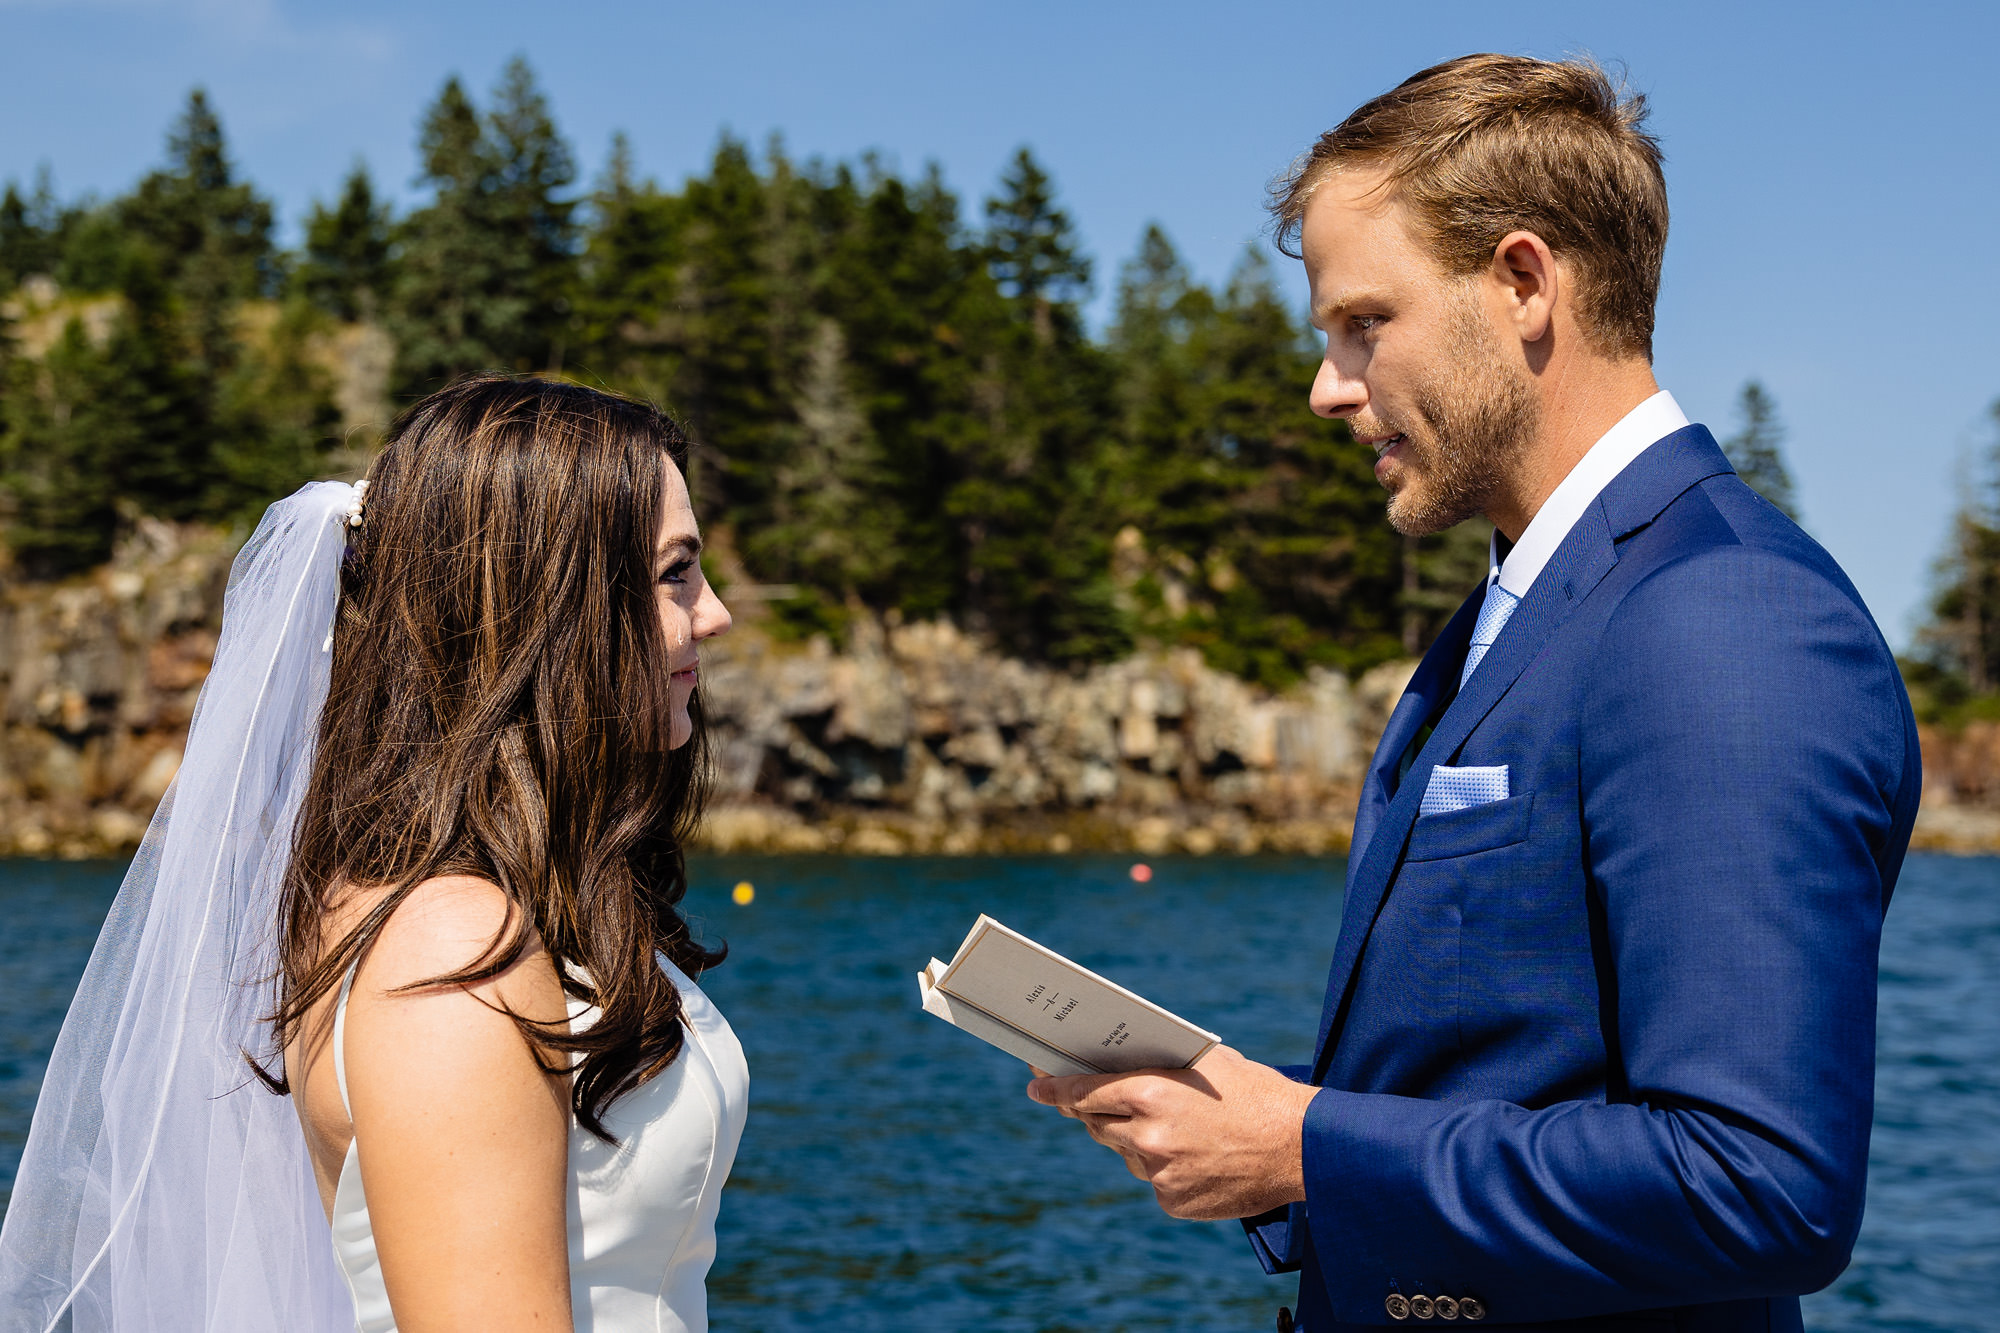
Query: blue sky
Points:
[1834, 168]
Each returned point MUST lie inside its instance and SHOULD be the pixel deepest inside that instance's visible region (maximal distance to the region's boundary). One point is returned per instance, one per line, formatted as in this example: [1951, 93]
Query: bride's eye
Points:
[677, 572]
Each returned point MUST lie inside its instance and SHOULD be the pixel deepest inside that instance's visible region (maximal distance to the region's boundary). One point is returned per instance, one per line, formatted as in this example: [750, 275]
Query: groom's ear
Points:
[1528, 281]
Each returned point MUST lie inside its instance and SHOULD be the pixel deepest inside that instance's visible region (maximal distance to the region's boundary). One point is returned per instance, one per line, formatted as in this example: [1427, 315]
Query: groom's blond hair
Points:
[1485, 145]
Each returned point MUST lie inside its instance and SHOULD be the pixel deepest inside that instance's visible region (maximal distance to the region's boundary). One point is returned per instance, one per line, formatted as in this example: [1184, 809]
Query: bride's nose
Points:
[710, 616]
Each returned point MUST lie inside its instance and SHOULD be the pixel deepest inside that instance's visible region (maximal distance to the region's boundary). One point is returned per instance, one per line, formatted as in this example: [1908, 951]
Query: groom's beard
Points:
[1473, 424]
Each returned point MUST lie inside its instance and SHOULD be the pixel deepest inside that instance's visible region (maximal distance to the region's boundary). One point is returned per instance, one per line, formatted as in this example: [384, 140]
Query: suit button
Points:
[1397, 1307]
[1421, 1307]
[1284, 1319]
[1471, 1308]
[1447, 1308]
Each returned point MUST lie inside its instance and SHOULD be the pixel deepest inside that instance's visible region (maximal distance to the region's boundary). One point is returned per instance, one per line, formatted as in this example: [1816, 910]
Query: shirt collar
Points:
[1636, 432]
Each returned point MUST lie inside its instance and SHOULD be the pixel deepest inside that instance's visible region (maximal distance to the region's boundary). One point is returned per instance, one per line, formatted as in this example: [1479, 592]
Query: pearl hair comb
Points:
[354, 511]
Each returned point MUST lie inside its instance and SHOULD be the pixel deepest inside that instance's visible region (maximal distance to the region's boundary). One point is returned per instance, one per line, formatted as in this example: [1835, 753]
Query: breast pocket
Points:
[1477, 828]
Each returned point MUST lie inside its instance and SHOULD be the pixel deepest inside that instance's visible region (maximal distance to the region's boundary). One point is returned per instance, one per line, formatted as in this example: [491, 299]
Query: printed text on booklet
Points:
[1038, 1006]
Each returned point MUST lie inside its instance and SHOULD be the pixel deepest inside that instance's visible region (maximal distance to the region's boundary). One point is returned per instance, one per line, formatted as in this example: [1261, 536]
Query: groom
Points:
[1598, 1040]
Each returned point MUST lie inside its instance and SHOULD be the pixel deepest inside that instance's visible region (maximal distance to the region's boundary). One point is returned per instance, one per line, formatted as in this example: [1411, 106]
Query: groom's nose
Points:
[1336, 393]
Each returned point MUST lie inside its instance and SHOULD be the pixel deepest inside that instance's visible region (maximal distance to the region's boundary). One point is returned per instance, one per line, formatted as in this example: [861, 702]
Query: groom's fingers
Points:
[1044, 1076]
[1087, 1094]
[1115, 1133]
[1098, 1102]
[1112, 1107]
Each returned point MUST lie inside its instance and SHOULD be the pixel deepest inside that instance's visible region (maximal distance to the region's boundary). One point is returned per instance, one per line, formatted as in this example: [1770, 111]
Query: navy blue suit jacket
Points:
[1606, 1046]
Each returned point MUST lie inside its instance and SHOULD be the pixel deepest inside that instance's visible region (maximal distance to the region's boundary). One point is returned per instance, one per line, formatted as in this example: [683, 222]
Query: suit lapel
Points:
[1430, 690]
[1633, 499]
[1577, 566]
[1423, 698]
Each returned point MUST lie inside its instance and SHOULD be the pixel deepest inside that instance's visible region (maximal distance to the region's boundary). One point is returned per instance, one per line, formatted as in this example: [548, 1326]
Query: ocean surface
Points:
[894, 1177]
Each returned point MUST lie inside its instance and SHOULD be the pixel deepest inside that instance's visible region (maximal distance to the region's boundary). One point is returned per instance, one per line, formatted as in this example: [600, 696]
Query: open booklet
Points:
[1038, 1006]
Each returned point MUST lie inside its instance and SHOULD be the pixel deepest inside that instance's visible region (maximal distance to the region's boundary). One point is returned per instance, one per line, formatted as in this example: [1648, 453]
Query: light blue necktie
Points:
[1493, 615]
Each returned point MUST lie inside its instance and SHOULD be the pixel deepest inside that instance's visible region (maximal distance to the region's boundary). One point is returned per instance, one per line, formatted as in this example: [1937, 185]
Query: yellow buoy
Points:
[744, 893]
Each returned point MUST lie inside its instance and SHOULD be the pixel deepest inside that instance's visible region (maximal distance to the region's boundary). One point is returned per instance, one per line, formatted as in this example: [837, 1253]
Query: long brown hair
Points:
[498, 708]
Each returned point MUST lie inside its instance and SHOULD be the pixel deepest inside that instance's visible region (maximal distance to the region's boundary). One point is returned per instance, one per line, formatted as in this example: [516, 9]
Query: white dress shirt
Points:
[1636, 432]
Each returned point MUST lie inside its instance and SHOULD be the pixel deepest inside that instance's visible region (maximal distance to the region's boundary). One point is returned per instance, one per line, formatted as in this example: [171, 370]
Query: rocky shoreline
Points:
[907, 739]
[915, 738]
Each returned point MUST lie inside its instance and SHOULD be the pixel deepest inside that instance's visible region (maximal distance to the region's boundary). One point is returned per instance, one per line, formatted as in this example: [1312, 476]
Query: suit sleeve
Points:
[1747, 773]
[1278, 1238]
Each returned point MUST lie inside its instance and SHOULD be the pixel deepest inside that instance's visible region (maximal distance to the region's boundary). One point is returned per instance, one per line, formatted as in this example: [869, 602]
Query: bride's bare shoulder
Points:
[416, 1036]
[413, 1045]
[442, 925]
[463, 1131]
[449, 925]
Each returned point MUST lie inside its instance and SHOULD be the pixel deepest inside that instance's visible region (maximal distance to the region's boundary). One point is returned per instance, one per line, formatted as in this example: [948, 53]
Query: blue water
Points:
[895, 1178]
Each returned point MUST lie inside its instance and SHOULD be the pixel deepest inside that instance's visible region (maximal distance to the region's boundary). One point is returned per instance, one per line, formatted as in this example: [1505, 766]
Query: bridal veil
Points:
[162, 1186]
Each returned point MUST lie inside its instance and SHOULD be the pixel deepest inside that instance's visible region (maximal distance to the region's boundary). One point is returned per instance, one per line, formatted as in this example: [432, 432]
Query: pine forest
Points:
[898, 408]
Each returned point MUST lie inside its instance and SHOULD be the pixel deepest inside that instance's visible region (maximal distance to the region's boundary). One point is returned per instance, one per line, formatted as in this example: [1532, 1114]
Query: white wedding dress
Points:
[641, 1214]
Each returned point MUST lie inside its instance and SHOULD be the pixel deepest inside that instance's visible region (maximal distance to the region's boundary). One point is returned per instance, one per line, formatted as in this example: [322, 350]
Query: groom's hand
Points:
[1217, 1141]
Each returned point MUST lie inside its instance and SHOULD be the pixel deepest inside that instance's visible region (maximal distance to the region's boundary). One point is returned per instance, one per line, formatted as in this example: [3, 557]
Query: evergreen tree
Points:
[452, 305]
[628, 279]
[1151, 289]
[828, 522]
[1032, 475]
[727, 336]
[205, 234]
[88, 427]
[1033, 246]
[1755, 452]
[345, 268]
[893, 410]
[1158, 342]
[31, 231]
[94, 251]
[150, 415]
[56, 479]
[1961, 640]
[827, 525]
[1302, 567]
[192, 404]
[532, 166]
[486, 269]
[1256, 529]
[700, 299]
[275, 414]
[20, 240]
[921, 316]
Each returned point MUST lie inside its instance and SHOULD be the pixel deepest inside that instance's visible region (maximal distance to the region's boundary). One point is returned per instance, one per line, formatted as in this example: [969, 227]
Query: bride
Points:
[420, 871]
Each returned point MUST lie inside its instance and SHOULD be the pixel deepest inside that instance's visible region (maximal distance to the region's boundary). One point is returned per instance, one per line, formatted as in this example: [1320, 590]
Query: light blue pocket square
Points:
[1462, 788]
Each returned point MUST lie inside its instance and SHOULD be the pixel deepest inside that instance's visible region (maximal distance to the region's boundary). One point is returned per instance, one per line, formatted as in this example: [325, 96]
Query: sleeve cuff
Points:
[1278, 1238]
